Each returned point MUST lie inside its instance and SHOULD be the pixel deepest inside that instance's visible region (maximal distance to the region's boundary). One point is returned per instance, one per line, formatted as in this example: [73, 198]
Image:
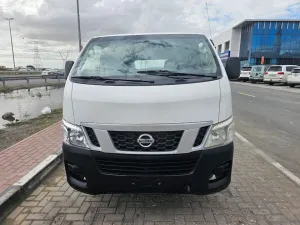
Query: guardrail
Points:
[28, 78]
[18, 72]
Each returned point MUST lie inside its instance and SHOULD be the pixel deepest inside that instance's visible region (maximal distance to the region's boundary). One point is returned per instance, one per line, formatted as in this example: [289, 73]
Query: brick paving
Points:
[17, 160]
[259, 194]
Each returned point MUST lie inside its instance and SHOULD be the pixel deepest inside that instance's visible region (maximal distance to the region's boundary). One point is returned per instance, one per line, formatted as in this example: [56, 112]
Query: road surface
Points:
[269, 117]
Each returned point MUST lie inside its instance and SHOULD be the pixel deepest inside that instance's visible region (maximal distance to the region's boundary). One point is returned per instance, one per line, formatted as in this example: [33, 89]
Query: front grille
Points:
[201, 134]
[163, 140]
[90, 132]
[144, 165]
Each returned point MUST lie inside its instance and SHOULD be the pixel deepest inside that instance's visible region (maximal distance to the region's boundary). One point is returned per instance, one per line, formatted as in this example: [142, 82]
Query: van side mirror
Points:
[68, 67]
[233, 67]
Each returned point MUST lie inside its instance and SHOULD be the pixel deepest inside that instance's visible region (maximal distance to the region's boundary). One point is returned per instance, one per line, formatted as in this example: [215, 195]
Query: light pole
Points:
[11, 41]
[78, 23]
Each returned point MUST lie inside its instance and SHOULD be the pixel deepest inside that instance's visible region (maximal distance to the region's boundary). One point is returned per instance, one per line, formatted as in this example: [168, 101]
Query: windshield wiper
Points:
[173, 74]
[111, 79]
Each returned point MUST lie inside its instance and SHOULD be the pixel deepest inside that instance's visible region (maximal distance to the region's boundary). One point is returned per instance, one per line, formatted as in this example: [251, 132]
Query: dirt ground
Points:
[16, 132]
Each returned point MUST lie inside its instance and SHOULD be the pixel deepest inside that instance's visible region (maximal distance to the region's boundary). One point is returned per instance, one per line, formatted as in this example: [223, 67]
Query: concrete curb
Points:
[20, 190]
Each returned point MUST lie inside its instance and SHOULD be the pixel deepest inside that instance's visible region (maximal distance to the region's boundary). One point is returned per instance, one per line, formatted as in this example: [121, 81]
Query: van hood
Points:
[185, 103]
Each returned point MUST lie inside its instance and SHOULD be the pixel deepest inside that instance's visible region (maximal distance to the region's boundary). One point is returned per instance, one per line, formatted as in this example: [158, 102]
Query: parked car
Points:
[46, 72]
[294, 78]
[155, 141]
[245, 73]
[57, 72]
[278, 74]
[22, 69]
[258, 72]
[60, 73]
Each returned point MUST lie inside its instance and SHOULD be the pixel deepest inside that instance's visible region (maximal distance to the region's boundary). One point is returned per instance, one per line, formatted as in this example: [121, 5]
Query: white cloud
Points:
[54, 21]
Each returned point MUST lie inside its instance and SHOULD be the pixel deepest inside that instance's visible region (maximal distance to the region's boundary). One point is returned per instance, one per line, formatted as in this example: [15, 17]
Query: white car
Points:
[46, 72]
[278, 74]
[245, 73]
[166, 129]
[294, 78]
[22, 70]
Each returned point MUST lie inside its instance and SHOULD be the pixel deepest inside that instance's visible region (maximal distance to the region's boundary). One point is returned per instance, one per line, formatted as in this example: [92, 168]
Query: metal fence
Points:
[11, 73]
[27, 78]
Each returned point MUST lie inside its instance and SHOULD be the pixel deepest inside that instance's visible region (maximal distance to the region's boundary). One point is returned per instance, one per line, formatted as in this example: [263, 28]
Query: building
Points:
[257, 41]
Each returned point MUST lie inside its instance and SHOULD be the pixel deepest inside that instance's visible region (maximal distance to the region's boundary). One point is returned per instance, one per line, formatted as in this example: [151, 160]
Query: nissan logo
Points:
[145, 140]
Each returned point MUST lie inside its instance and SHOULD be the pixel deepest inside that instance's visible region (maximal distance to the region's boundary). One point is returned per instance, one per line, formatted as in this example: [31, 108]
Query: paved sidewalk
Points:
[258, 194]
[17, 160]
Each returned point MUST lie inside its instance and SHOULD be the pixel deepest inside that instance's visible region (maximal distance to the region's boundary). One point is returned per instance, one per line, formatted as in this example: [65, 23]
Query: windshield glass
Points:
[256, 68]
[125, 56]
[296, 70]
[246, 69]
[275, 69]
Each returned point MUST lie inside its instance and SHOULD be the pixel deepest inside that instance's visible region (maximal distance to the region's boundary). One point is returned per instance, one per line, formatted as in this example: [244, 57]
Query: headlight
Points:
[220, 134]
[73, 135]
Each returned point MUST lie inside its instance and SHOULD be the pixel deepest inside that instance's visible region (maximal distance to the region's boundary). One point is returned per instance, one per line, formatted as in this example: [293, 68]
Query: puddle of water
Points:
[26, 104]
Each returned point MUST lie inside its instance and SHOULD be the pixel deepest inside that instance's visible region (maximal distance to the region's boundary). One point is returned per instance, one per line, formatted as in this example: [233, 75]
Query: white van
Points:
[278, 74]
[148, 113]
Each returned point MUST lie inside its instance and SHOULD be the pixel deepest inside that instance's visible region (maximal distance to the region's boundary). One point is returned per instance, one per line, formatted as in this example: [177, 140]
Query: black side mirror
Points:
[68, 67]
[232, 67]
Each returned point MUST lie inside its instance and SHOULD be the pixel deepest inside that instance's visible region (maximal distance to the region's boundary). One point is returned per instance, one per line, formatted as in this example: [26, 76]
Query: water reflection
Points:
[27, 104]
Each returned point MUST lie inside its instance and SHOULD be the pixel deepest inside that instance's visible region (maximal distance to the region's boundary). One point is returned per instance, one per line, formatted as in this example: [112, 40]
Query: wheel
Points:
[270, 83]
[292, 85]
[253, 81]
[244, 81]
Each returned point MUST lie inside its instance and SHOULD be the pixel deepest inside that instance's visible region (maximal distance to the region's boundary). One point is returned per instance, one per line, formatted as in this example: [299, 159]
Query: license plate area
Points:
[146, 182]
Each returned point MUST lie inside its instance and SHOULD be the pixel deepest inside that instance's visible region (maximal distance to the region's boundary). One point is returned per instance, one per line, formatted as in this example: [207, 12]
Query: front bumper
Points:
[256, 78]
[243, 78]
[87, 173]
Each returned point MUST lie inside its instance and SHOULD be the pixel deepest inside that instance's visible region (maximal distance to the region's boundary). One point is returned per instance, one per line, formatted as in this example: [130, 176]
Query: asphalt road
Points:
[14, 83]
[269, 117]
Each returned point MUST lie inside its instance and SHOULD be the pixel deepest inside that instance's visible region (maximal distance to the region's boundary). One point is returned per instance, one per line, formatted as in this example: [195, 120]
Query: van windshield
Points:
[257, 68]
[133, 56]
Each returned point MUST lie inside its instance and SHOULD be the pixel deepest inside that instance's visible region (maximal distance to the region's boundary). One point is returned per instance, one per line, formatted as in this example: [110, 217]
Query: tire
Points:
[253, 81]
[292, 85]
[244, 80]
[270, 83]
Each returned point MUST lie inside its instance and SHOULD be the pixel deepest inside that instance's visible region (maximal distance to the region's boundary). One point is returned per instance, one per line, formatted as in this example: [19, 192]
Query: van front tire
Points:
[292, 85]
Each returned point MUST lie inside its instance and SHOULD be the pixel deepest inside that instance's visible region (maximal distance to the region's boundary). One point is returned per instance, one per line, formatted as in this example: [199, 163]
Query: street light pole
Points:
[78, 23]
[11, 41]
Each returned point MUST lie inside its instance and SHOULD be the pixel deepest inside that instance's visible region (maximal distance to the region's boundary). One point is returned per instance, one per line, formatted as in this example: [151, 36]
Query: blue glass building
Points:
[277, 41]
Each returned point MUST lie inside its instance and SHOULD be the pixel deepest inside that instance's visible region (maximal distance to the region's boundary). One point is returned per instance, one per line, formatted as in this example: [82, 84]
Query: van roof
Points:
[140, 34]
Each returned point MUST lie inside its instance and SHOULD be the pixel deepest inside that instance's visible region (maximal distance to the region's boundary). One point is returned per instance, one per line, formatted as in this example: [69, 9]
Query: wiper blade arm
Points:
[173, 74]
[111, 79]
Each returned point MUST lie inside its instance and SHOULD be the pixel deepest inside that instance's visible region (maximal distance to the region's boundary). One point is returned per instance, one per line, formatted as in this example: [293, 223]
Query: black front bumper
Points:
[84, 173]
